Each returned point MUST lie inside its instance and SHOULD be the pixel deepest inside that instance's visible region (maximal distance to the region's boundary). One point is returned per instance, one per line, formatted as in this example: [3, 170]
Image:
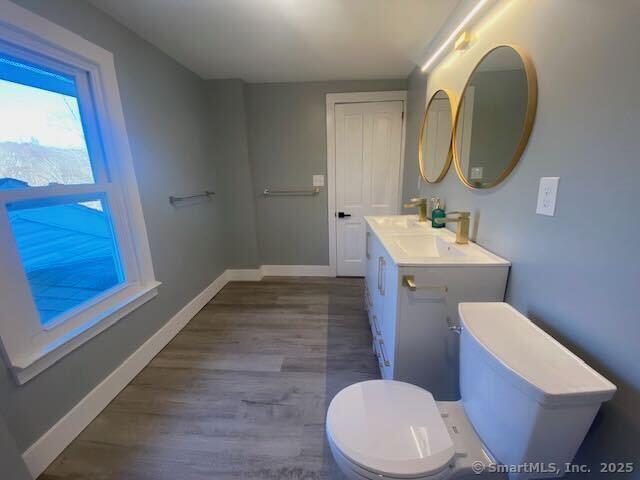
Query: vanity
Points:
[416, 276]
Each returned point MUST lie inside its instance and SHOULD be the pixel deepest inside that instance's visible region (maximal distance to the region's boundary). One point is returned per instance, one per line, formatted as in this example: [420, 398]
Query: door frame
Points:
[332, 100]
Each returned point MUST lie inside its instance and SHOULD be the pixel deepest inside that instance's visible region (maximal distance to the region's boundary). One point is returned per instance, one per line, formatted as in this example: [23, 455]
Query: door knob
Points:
[343, 215]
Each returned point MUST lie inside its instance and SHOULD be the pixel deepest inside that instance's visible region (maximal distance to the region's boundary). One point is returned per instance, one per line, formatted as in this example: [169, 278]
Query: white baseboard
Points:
[256, 274]
[45, 450]
[296, 271]
[244, 275]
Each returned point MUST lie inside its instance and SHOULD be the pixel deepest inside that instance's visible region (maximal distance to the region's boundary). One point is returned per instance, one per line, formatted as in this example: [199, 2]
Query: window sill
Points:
[38, 361]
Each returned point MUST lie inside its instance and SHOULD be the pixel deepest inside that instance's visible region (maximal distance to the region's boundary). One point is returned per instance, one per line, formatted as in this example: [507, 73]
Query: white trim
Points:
[14, 15]
[45, 359]
[47, 448]
[360, 97]
[354, 97]
[244, 275]
[296, 271]
[257, 274]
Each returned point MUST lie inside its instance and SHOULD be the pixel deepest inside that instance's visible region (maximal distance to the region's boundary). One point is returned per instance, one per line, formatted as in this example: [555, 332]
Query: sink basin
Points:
[428, 246]
[412, 243]
[397, 222]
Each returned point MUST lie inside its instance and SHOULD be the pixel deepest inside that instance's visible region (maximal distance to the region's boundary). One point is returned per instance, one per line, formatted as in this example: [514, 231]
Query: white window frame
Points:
[27, 346]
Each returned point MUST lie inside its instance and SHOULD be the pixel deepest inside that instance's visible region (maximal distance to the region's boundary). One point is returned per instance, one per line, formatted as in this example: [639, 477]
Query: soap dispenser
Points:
[437, 212]
[430, 206]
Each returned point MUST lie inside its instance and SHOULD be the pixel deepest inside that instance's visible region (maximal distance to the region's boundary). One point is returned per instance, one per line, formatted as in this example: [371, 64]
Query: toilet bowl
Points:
[388, 429]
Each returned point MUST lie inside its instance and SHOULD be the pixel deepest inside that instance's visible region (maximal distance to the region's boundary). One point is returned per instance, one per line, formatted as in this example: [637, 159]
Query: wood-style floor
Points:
[240, 393]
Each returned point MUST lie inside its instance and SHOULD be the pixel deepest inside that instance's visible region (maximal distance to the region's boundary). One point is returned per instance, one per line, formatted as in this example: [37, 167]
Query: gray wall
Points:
[166, 112]
[576, 274]
[228, 128]
[287, 145]
[416, 102]
[11, 465]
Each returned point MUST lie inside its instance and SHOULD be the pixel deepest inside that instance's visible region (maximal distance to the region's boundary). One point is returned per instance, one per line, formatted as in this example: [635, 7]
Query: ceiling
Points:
[287, 40]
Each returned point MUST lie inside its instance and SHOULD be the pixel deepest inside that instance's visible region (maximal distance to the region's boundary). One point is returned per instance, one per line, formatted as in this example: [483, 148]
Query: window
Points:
[68, 253]
[67, 249]
[74, 250]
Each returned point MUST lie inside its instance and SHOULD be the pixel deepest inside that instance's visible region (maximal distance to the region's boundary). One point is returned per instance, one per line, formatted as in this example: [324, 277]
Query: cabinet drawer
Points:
[375, 326]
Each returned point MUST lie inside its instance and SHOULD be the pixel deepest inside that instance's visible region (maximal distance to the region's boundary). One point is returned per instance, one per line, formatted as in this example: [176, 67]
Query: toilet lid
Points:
[390, 428]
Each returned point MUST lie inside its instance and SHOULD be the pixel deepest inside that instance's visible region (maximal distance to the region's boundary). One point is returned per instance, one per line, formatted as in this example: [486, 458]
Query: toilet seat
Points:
[389, 428]
[359, 473]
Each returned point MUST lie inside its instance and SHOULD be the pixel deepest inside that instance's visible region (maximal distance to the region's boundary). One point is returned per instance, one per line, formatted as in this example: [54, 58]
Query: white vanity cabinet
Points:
[376, 293]
[413, 330]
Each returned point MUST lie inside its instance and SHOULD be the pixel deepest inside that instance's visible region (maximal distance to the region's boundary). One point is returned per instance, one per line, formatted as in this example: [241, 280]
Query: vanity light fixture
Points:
[454, 34]
[463, 41]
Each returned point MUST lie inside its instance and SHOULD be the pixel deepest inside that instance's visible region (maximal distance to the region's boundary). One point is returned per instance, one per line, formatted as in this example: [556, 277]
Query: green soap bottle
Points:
[437, 212]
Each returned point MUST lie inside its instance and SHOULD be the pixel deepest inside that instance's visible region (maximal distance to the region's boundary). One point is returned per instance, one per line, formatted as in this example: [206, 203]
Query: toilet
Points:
[526, 404]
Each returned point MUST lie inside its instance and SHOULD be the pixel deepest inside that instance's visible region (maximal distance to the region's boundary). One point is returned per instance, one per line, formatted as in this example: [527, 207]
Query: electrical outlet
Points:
[547, 196]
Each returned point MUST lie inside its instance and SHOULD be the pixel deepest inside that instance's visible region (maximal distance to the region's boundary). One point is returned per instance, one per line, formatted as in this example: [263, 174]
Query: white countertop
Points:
[412, 243]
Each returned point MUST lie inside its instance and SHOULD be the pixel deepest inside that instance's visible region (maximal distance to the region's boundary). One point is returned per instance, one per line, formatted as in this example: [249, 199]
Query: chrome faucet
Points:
[462, 232]
[421, 203]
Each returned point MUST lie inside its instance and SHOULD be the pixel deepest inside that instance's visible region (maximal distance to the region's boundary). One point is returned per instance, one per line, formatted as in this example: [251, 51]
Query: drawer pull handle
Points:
[387, 363]
[409, 281]
[375, 325]
[366, 246]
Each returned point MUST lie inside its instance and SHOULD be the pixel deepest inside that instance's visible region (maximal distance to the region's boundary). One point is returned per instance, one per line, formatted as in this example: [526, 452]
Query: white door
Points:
[438, 132]
[368, 149]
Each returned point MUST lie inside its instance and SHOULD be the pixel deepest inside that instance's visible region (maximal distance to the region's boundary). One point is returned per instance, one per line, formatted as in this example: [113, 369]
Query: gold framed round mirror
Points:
[494, 117]
[434, 144]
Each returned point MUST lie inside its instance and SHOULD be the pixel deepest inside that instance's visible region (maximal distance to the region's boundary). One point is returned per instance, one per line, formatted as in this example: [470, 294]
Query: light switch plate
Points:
[476, 173]
[547, 196]
[318, 180]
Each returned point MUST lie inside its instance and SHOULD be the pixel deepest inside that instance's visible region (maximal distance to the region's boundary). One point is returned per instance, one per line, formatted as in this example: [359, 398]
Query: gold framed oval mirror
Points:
[434, 144]
[494, 117]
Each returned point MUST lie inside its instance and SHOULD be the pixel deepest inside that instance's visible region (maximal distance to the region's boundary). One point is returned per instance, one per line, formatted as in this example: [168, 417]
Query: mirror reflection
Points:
[494, 117]
[435, 138]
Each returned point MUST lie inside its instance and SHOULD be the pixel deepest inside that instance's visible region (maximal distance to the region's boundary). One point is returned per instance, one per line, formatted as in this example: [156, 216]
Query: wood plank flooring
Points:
[240, 393]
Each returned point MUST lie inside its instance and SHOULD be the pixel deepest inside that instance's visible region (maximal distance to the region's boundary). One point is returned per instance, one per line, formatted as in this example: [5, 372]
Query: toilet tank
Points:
[528, 397]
